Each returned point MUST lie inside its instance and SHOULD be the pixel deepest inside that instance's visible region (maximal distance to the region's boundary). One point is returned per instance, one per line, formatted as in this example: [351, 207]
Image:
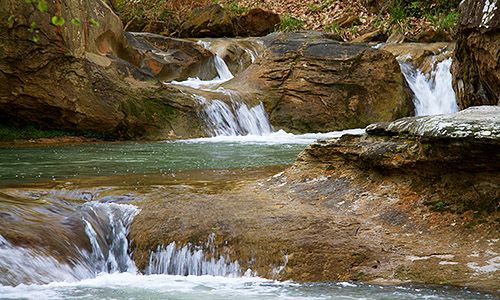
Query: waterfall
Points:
[106, 228]
[433, 93]
[192, 260]
[26, 265]
[221, 118]
[223, 73]
[235, 119]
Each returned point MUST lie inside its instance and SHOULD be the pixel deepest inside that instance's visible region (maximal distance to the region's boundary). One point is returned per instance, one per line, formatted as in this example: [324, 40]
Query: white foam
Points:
[131, 286]
[278, 137]
[433, 93]
[223, 75]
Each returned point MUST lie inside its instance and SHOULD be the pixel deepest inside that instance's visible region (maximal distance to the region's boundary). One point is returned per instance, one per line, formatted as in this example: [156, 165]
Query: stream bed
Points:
[105, 164]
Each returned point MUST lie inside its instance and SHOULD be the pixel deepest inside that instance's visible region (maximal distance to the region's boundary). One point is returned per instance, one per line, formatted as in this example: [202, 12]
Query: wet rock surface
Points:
[312, 83]
[477, 67]
[420, 55]
[381, 207]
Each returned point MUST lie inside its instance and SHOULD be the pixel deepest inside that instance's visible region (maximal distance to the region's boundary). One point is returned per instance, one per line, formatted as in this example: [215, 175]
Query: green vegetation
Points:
[334, 28]
[444, 21]
[236, 8]
[398, 12]
[290, 23]
[313, 7]
[42, 6]
[441, 13]
[8, 133]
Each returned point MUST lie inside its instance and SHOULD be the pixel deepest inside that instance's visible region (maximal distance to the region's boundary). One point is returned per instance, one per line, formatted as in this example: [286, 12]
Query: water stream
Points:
[241, 137]
[433, 93]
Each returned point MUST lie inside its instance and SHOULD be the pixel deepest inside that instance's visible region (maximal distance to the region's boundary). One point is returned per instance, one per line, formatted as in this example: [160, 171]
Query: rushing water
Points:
[129, 286]
[433, 93]
[106, 228]
[192, 260]
[242, 136]
[235, 120]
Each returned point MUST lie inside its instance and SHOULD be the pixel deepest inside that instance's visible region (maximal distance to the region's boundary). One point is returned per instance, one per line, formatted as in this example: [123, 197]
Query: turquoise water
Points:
[42, 163]
[20, 165]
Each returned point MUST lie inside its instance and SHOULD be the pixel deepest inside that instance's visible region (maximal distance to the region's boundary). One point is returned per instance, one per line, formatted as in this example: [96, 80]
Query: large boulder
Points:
[256, 22]
[477, 64]
[209, 21]
[168, 59]
[217, 21]
[70, 77]
[311, 83]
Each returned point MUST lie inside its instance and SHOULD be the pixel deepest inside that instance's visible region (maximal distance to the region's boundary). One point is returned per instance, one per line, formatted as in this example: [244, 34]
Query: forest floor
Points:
[419, 20]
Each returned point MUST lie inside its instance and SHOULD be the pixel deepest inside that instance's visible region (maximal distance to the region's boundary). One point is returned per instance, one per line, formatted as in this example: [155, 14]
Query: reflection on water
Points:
[27, 164]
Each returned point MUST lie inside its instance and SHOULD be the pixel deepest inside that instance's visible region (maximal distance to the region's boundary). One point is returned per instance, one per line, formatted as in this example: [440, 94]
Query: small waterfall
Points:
[26, 265]
[237, 119]
[222, 119]
[107, 227]
[433, 93]
[222, 69]
[193, 260]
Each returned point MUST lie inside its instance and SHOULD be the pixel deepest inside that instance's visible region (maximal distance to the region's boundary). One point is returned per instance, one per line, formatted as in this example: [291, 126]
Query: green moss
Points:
[9, 133]
[360, 276]
[154, 108]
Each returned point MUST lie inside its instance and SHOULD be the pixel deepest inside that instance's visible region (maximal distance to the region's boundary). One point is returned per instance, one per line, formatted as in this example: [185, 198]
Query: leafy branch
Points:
[59, 21]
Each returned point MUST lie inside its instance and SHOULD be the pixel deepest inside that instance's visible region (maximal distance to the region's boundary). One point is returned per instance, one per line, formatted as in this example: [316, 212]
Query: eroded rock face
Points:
[73, 77]
[168, 59]
[400, 203]
[422, 56]
[311, 83]
[477, 65]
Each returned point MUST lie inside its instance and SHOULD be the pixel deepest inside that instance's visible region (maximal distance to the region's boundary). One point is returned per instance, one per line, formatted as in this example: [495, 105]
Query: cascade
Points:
[106, 228]
[26, 265]
[222, 119]
[237, 119]
[433, 93]
[192, 260]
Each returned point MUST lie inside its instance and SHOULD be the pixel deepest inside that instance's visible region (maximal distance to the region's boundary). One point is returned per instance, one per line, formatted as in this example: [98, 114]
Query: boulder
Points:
[209, 21]
[217, 21]
[310, 83]
[73, 79]
[256, 22]
[168, 59]
[477, 67]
